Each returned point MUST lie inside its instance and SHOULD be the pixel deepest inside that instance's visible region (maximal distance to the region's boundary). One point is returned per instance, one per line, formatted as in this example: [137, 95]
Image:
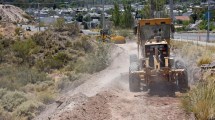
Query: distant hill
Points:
[10, 13]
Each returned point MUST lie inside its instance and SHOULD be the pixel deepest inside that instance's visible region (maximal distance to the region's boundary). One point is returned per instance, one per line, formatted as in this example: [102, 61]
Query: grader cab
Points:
[153, 64]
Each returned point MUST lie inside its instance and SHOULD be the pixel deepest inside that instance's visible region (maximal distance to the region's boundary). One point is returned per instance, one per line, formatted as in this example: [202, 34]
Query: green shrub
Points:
[53, 62]
[14, 78]
[23, 49]
[73, 76]
[18, 30]
[12, 100]
[4, 115]
[95, 61]
[73, 28]
[62, 83]
[43, 86]
[124, 33]
[83, 44]
[66, 81]
[59, 24]
[46, 97]
[28, 110]
[2, 92]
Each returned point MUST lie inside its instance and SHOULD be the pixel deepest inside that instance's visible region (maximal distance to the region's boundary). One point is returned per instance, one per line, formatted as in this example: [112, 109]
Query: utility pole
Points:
[152, 9]
[171, 9]
[208, 32]
[171, 16]
[103, 15]
[38, 6]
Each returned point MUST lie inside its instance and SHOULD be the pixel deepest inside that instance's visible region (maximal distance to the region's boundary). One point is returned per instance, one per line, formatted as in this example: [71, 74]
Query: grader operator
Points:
[155, 64]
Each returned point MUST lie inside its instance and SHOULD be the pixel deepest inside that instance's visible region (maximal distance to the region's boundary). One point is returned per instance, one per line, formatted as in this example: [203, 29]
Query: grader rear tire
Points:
[183, 82]
[134, 79]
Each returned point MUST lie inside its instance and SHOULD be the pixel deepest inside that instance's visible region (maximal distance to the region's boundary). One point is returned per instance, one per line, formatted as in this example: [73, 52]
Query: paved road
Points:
[194, 36]
[33, 28]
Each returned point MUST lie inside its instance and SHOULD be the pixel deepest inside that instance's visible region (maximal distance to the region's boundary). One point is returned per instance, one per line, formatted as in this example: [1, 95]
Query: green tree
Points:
[145, 12]
[156, 5]
[116, 15]
[127, 19]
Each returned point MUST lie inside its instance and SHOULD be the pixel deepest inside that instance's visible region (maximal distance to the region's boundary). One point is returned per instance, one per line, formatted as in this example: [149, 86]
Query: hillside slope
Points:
[10, 13]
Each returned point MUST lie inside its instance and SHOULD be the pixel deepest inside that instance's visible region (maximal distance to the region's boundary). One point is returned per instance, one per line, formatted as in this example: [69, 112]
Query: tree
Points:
[151, 6]
[145, 12]
[116, 14]
[127, 19]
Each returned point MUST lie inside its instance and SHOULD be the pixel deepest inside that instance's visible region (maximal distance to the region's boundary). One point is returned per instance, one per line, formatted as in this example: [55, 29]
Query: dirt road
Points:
[105, 96]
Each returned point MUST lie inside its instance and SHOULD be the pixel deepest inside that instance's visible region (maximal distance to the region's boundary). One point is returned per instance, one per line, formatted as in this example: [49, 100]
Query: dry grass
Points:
[192, 52]
[201, 101]
[205, 59]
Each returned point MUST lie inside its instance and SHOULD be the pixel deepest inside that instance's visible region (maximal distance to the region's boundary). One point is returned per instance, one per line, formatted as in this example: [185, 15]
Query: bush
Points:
[43, 86]
[28, 110]
[4, 115]
[201, 101]
[62, 83]
[73, 28]
[124, 33]
[59, 24]
[205, 59]
[95, 61]
[2, 92]
[66, 81]
[56, 61]
[13, 78]
[23, 49]
[12, 100]
[46, 97]
[18, 30]
[83, 44]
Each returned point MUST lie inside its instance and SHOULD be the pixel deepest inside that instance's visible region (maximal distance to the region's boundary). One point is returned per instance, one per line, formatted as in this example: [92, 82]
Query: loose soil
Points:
[105, 96]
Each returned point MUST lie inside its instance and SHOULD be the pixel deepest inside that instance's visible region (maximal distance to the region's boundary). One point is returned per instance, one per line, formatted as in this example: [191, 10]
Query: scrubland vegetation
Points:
[27, 64]
[200, 100]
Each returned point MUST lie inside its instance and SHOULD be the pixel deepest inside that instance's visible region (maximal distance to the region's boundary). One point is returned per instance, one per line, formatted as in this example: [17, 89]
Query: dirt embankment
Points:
[10, 13]
[106, 96]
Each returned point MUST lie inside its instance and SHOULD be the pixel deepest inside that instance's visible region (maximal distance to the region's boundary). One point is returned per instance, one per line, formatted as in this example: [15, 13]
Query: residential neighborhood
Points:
[90, 14]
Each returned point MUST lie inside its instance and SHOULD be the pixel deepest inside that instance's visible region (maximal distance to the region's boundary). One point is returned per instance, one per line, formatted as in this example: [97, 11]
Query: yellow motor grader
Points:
[107, 36]
[153, 64]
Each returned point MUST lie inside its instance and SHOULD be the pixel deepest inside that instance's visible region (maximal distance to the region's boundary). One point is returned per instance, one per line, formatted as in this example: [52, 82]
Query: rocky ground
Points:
[106, 96]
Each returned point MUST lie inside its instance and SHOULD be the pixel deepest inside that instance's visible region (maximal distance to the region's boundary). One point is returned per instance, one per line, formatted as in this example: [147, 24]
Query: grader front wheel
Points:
[134, 79]
[183, 82]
